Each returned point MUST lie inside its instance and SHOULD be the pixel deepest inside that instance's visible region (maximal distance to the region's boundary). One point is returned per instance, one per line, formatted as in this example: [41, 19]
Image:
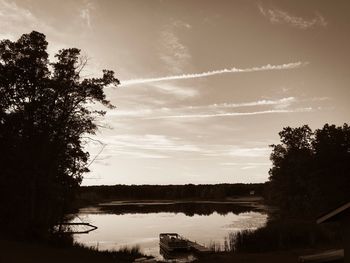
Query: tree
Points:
[44, 113]
[311, 170]
[291, 167]
[332, 165]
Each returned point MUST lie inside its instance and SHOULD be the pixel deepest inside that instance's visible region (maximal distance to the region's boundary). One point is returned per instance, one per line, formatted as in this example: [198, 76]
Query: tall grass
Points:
[124, 253]
[67, 241]
[283, 235]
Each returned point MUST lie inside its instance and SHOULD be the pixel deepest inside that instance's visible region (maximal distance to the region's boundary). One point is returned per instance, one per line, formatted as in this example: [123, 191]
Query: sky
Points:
[205, 85]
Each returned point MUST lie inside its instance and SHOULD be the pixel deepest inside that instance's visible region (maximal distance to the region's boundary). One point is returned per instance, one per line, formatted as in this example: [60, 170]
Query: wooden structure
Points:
[173, 242]
[87, 231]
[340, 214]
[198, 247]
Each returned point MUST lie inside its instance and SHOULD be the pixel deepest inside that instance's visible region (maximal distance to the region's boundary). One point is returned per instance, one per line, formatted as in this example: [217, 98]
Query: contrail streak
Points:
[228, 114]
[267, 67]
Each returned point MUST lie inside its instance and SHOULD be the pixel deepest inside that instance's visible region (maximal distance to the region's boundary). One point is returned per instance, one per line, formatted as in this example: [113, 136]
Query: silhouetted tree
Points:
[44, 111]
[102, 193]
[311, 170]
[331, 173]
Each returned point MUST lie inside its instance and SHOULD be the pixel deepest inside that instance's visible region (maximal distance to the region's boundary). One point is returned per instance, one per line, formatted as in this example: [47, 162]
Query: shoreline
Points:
[256, 202]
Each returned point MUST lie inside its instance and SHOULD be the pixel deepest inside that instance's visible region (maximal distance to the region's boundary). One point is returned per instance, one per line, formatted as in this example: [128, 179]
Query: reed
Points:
[284, 235]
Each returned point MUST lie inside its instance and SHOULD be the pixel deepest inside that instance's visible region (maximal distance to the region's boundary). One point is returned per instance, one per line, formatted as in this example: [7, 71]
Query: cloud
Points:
[173, 53]
[13, 19]
[267, 67]
[233, 114]
[181, 92]
[248, 167]
[139, 112]
[250, 152]
[148, 146]
[278, 16]
[181, 24]
[279, 103]
[128, 113]
[282, 105]
[240, 153]
[16, 20]
[245, 164]
[152, 142]
[85, 14]
[136, 154]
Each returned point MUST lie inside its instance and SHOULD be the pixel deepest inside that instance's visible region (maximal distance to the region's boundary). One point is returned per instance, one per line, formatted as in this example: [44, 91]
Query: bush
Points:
[283, 235]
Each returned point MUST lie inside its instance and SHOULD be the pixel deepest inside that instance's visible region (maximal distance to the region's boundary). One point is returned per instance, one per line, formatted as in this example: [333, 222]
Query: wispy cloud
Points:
[16, 20]
[13, 19]
[267, 67]
[128, 113]
[177, 90]
[250, 152]
[240, 152]
[135, 154]
[279, 16]
[245, 164]
[282, 105]
[181, 24]
[173, 52]
[148, 146]
[279, 103]
[85, 13]
[233, 114]
[149, 142]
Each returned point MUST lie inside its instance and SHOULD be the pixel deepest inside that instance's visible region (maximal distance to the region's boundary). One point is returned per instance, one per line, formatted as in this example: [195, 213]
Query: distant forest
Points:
[88, 194]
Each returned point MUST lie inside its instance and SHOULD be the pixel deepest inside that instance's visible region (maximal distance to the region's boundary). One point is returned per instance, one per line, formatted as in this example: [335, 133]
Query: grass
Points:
[279, 241]
[124, 252]
[285, 235]
[13, 251]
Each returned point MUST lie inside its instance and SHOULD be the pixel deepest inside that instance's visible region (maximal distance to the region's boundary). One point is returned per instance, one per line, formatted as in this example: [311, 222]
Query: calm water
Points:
[135, 224]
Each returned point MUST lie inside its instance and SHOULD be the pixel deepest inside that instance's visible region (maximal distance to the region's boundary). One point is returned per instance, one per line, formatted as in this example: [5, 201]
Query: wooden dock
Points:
[198, 248]
[326, 256]
[173, 242]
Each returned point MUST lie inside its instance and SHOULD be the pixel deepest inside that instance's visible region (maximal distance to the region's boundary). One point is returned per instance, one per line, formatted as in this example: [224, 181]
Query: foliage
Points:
[285, 235]
[44, 112]
[14, 251]
[96, 194]
[311, 170]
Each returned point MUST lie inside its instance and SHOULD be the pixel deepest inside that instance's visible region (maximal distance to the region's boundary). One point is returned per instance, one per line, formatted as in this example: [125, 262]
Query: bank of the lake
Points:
[139, 222]
[14, 252]
[92, 195]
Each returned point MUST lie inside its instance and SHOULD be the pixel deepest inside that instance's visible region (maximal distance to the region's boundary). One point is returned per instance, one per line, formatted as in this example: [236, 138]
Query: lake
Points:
[130, 224]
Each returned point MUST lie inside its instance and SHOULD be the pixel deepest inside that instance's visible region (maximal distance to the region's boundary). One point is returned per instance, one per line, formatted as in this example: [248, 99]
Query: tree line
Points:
[91, 194]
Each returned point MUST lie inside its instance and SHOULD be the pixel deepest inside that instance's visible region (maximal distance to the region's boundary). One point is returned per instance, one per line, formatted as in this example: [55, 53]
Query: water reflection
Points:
[141, 224]
[176, 255]
[188, 208]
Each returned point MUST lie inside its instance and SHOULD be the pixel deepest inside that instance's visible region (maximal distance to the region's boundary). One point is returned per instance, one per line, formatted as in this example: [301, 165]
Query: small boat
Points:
[173, 242]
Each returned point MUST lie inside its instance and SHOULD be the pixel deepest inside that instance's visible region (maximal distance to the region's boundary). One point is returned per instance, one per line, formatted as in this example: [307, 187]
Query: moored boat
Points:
[173, 242]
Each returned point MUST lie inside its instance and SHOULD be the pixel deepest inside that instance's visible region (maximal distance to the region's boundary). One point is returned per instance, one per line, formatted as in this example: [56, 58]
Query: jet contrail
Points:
[267, 67]
[230, 114]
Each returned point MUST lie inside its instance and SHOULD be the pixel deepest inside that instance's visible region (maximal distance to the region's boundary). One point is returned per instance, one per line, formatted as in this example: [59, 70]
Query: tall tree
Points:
[332, 165]
[292, 162]
[311, 170]
[44, 113]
